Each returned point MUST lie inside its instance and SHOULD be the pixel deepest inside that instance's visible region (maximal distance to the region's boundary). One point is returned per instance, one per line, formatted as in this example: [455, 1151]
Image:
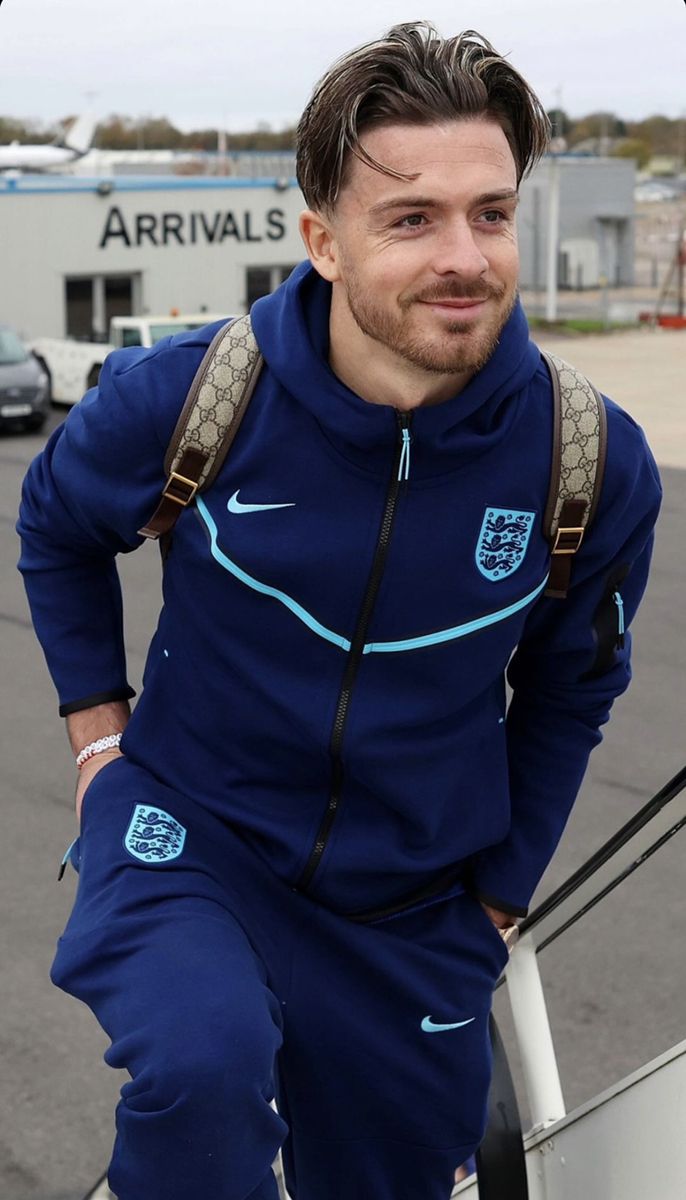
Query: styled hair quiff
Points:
[414, 77]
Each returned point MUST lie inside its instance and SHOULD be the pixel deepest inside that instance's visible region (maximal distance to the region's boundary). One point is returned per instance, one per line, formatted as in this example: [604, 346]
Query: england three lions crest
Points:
[153, 836]
[503, 540]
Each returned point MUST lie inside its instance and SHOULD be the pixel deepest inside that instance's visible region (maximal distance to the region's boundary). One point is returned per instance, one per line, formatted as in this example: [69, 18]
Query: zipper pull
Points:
[404, 465]
[616, 596]
[65, 860]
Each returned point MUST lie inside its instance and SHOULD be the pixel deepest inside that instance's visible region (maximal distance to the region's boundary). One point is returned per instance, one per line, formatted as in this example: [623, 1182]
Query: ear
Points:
[317, 233]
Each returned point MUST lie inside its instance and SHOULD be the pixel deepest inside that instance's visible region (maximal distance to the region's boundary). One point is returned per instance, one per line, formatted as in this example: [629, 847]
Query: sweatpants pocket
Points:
[490, 932]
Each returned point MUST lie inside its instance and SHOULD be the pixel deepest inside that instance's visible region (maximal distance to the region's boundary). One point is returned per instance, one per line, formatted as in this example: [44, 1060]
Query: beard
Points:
[455, 346]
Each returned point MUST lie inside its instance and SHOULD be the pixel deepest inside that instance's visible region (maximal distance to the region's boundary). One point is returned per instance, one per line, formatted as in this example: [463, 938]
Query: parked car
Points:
[24, 385]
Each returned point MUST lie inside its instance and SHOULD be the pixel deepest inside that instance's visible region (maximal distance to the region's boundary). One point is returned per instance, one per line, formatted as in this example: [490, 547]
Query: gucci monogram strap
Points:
[209, 421]
[578, 461]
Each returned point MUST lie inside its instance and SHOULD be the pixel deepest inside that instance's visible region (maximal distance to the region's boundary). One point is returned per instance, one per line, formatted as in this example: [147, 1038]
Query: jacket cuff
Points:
[125, 693]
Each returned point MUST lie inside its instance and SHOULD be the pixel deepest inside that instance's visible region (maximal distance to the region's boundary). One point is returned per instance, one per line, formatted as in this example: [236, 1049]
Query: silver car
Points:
[24, 385]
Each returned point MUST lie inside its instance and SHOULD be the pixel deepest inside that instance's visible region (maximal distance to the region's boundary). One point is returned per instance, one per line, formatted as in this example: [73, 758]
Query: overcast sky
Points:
[213, 61]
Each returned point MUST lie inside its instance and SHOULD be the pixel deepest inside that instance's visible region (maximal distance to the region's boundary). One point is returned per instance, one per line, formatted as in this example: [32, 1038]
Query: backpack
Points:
[226, 378]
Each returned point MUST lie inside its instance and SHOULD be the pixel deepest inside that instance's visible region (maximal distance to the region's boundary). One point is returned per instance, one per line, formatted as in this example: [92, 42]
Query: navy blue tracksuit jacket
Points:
[351, 625]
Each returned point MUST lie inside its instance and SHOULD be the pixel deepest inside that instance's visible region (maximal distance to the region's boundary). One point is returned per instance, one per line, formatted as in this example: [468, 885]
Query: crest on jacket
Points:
[153, 836]
[503, 540]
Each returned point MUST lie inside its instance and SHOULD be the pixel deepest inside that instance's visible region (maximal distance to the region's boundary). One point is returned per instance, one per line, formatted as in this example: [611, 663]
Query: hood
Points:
[292, 329]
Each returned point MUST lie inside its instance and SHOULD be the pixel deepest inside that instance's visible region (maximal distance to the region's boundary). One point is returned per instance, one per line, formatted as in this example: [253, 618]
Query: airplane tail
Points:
[79, 137]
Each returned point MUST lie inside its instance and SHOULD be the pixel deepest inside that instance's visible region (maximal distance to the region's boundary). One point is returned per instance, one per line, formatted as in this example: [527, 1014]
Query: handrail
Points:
[649, 829]
[644, 833]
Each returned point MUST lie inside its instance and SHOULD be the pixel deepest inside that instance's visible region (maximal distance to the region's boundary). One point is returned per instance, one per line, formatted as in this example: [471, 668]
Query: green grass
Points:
[580, 325]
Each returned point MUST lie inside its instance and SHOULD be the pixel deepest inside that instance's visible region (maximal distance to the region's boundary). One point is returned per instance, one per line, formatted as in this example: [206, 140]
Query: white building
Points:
[76, 251]
[596, 222]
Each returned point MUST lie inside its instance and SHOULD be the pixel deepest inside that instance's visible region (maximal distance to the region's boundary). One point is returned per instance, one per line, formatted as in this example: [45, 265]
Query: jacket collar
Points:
[292, 330]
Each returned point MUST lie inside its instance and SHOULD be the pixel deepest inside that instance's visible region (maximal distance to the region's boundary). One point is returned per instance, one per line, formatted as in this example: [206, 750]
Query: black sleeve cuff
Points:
[126, 693]
[502, 905]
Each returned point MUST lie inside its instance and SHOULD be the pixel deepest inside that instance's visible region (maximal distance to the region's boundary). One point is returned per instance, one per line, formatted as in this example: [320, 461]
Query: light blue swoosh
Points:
[263, 588]
[429, 1027]
[457, 631]
[234, 505]
[429, 639]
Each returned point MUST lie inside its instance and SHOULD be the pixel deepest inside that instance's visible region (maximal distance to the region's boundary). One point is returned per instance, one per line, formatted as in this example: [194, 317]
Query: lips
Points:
[458, 305]
[456, 308]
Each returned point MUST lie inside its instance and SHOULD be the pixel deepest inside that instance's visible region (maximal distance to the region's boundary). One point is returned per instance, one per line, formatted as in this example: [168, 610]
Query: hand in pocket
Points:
[88, 772]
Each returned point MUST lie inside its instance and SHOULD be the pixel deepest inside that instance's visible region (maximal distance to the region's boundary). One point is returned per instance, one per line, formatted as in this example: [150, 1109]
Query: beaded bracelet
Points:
[110, 742]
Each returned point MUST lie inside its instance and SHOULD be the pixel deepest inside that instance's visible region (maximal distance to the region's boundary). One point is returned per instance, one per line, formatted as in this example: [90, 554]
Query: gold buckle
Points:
[180, 479]
[564, 531]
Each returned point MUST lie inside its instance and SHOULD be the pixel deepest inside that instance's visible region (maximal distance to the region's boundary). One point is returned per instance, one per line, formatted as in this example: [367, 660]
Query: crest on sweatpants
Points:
[153, 836]
[503, 540]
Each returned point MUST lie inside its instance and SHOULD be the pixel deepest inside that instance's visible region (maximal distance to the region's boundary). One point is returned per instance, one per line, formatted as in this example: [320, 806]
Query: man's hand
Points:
[500, 919]
[88, 771]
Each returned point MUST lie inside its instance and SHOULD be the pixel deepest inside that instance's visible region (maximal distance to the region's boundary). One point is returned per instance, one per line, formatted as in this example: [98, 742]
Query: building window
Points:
[91, 301]
[79, 303]
[260, 281]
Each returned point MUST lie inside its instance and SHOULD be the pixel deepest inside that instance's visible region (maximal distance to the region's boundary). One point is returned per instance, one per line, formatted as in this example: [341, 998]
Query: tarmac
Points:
[615, 982]
[644, 370]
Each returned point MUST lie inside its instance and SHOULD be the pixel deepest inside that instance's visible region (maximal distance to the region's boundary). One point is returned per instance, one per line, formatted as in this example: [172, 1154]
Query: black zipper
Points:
[354, 657]
[608, 624]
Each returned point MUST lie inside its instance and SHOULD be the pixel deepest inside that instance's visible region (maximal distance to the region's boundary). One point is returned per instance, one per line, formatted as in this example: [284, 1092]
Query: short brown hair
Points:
[411, 76]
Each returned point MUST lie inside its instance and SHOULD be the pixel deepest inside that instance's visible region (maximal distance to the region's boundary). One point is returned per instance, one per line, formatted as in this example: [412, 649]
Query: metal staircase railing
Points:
[501, 1156]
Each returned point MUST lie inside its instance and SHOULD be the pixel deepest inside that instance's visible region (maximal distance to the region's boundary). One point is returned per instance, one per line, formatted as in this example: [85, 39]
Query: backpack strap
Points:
[578, 464]
[209, 421]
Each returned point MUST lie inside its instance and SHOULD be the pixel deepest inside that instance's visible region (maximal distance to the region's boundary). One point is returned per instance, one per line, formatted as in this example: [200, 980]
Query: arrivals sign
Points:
[191, 229]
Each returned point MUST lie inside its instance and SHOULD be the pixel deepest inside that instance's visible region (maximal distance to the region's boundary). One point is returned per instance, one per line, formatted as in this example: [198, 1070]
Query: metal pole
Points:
[681, 262]
[553, 235]
[99, 308]
[536, 272]
[534, 1037]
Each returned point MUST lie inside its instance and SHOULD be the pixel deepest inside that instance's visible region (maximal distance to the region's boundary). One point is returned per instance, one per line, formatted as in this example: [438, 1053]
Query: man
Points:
[294, 866]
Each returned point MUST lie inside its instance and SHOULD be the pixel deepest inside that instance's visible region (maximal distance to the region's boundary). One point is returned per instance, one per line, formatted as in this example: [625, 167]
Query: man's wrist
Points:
[99, 746]
[93, 724]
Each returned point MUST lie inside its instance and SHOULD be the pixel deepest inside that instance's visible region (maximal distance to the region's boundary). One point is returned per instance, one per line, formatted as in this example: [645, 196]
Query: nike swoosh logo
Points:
[234, 505]
[429, 1027]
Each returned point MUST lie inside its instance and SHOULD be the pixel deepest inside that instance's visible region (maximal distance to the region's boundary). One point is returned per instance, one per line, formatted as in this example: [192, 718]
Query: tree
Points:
[159, 133]
[596, 126]
[116, 133]
[14, 129]
[560, 122]
[663, 135]
[636, 148]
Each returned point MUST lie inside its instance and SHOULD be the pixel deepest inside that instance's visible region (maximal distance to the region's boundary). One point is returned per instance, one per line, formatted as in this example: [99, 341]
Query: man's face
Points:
[429, 268]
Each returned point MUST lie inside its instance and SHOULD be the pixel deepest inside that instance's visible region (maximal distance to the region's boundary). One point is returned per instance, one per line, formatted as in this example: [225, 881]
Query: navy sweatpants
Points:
[220, 987]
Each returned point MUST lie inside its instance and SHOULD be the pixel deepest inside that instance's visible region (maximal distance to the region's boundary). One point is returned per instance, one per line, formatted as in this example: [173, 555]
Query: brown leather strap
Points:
[576, 469]
[178, 493]
[208, 423]
[568, 537]
[179, 436]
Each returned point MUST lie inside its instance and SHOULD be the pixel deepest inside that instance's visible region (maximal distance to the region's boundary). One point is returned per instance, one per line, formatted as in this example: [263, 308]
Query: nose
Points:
[457, 252]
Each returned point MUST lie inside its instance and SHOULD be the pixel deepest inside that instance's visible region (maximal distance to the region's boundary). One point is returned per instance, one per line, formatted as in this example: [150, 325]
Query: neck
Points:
[379, 375]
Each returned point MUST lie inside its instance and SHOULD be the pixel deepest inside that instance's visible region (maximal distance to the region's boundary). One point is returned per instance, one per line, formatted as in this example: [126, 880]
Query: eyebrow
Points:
[386, 206]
